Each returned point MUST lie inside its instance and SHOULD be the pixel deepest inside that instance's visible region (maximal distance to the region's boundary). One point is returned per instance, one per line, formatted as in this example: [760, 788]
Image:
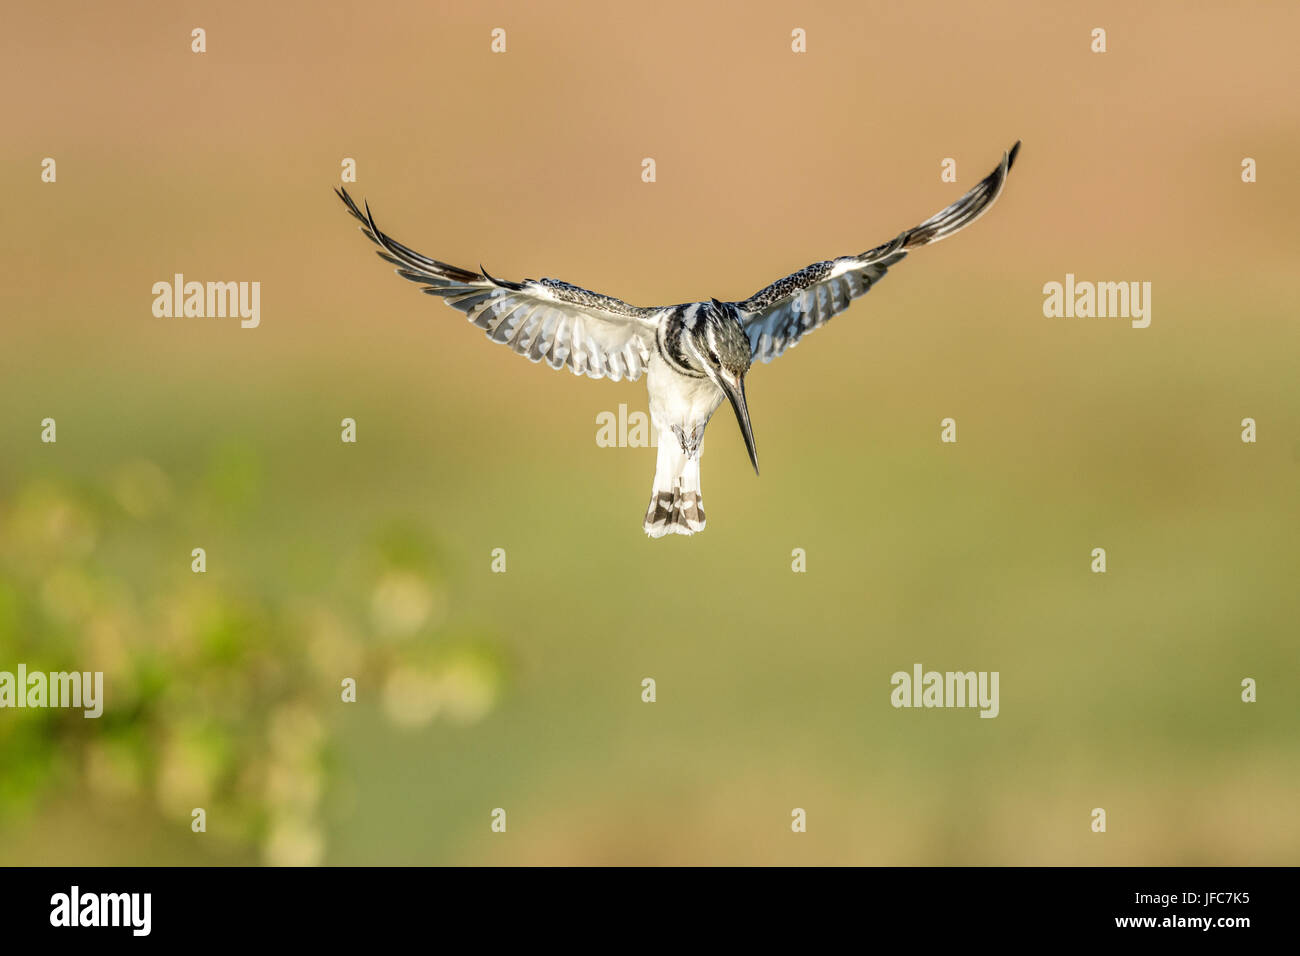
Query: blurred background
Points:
[522, 690]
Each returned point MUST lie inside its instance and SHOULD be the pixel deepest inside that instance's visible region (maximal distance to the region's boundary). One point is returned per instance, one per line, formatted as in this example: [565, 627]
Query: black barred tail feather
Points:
[674, 512]
[676, 504]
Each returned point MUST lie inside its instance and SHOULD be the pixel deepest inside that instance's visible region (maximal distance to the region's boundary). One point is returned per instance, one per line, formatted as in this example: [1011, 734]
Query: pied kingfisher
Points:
[694, 354]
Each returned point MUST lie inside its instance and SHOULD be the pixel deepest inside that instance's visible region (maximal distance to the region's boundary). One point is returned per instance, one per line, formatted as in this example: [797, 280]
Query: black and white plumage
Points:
[694, 355]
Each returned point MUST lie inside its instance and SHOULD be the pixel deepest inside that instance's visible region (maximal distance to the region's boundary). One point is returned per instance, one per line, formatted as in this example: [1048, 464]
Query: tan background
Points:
[1118, 691]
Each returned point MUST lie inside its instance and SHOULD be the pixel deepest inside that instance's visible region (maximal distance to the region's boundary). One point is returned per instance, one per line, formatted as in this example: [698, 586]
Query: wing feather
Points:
[778, 316]
[565, 325]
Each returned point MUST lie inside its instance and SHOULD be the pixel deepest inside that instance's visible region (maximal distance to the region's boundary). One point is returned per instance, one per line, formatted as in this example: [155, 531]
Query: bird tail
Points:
[676, 502]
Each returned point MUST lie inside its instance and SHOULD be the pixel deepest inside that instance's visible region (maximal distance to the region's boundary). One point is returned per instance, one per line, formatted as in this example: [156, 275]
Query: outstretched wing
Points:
[780, 315]
[592, 334]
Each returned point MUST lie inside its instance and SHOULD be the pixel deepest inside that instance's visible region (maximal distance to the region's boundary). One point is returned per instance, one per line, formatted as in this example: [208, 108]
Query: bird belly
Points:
[680, 407]
[679, 400]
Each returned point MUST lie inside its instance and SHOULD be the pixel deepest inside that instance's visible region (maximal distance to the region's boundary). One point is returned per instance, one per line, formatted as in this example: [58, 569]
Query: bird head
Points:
[724, 351]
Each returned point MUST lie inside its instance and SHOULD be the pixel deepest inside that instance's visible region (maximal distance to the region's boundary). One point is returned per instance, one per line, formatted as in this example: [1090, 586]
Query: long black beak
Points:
[737, 395]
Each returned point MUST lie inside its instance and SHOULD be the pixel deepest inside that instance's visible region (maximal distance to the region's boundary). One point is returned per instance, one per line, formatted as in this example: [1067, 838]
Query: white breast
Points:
[677, 399]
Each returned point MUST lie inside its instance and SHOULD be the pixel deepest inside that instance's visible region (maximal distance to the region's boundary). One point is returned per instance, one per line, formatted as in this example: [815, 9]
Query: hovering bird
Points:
[693, 355]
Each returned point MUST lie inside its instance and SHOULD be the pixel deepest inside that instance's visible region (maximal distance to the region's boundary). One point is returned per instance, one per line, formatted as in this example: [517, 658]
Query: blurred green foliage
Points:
[221, 691]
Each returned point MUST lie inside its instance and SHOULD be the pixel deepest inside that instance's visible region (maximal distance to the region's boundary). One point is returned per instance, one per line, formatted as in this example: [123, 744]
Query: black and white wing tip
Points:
[966, 209]
[778, 316]
[569, 327]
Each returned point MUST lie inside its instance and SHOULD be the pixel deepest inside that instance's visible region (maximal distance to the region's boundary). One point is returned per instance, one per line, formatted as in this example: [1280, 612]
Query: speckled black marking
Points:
[795, 282]
[567, 292]
[732, 347]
